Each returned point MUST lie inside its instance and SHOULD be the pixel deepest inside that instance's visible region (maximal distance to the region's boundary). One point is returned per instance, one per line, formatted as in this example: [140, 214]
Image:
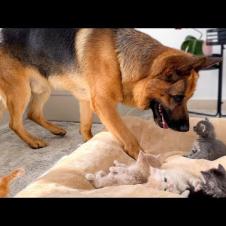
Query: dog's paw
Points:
[86, 135]
[59, 132]
[132, 148]
[38, 143]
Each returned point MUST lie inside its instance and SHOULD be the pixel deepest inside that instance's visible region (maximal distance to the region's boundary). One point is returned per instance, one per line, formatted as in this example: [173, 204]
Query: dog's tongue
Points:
[164, 124]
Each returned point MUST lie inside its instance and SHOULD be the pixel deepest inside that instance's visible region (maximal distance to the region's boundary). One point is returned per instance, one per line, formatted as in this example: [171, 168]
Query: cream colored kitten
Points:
[121, 174]
[175, 175]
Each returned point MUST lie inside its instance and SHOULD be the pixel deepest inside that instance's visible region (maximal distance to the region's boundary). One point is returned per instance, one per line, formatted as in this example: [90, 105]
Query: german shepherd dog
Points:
[101, 68]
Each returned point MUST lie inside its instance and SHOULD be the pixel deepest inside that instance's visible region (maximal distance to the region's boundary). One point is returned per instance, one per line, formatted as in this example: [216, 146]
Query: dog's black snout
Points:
[180, 125]
[184, 128]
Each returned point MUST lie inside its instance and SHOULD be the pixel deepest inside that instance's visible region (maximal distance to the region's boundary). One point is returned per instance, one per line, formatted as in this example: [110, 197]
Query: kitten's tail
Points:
[14, 174]
[6, 180]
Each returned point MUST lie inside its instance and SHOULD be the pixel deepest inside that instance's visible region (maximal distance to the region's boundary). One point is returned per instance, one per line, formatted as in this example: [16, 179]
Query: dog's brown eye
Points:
[173, 77]
[178, 98]
[169, 78]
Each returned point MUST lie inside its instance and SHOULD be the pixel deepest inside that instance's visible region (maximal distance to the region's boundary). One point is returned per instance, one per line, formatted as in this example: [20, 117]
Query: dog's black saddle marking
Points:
[50, 50]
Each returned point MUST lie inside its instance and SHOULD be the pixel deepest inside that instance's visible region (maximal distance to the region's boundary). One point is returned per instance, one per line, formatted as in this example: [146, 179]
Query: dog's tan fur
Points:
[99, 83]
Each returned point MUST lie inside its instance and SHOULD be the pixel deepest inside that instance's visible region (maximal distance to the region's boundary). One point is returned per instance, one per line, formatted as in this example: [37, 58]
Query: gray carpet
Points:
[15, 153]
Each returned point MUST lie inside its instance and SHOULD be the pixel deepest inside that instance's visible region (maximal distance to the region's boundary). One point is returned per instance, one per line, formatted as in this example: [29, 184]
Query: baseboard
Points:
[208, 105]
[64, 107]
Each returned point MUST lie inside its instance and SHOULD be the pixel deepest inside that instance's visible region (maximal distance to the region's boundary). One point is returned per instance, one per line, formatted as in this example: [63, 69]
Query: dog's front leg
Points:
[106, 111]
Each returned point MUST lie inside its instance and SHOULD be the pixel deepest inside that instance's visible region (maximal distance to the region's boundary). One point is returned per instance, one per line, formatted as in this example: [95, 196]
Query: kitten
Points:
[122, 174]
[215, 182]
[6, 180]
[206, 146]
[140, 172]
[177, 181]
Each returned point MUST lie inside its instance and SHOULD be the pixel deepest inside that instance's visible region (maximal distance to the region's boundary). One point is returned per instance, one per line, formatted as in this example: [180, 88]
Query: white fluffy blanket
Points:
[67, 177]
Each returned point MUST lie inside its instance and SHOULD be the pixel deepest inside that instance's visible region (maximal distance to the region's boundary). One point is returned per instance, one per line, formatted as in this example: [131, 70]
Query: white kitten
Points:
[178, 181]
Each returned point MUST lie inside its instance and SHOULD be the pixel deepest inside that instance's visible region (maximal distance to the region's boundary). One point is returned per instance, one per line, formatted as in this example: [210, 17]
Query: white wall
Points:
[207, 84]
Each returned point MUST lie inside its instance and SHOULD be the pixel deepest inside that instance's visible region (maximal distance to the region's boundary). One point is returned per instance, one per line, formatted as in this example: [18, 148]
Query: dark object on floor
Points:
[206, 146]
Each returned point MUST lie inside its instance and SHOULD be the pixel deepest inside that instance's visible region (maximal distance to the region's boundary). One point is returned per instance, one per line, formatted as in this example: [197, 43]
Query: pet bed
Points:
[67, 177]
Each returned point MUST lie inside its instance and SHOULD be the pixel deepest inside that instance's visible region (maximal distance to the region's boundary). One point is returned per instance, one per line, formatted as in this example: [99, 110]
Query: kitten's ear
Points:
[203, 128]
[157, 156]
[142, 158]
[206, 175]
[153, 161]
[141, 155]
[207, 119]
[221, 169]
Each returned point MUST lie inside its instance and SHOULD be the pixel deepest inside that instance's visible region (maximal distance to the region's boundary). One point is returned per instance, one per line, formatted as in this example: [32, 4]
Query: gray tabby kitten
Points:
[206, 146]
[214, 182]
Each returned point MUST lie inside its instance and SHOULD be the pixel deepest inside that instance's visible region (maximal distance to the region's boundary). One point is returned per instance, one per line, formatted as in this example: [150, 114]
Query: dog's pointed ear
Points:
[182, 65]
[203, 62]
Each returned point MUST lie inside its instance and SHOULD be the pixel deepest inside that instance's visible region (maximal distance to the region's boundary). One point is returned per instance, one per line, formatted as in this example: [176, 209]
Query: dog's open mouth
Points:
[160, 114]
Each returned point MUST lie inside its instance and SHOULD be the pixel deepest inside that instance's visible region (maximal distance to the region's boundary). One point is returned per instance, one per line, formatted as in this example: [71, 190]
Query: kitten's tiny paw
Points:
[118, 170]
[117, 163]
[114, 170]
[170, 187]
[90, 176]
[101, 173]
[186, 193]
[198, 187]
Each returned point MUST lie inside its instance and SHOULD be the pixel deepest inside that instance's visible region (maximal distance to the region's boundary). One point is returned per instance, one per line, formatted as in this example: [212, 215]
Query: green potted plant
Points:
[196, 46]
